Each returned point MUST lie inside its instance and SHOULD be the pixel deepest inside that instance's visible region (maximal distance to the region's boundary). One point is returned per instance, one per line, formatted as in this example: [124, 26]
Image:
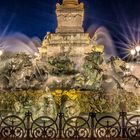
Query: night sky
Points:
[36, 17]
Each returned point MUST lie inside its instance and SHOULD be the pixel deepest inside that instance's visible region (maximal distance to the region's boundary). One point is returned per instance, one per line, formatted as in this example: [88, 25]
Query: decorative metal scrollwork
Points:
[44, 127]
[87, 126]
[133, 126]
[12, 126]
[107, 126]
[76, 127]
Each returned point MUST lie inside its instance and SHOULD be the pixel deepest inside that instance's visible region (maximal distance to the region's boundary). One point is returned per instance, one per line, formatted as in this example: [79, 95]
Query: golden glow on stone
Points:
[99, 48]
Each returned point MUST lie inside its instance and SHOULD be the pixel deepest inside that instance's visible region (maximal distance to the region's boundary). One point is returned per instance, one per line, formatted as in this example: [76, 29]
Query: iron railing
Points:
[86, 126]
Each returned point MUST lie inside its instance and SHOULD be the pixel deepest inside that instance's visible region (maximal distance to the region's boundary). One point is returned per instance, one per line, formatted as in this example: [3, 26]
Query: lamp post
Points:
[135, 52]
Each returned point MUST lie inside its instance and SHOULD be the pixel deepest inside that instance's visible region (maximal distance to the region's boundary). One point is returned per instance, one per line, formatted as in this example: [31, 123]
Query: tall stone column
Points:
[70, 16]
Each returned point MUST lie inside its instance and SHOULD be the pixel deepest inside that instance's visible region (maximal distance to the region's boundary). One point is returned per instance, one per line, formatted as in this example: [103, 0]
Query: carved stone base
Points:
[74, 45]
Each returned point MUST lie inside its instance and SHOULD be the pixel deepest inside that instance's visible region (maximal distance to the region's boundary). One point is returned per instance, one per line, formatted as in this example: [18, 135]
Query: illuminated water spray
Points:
[19, 42]
[102, 36]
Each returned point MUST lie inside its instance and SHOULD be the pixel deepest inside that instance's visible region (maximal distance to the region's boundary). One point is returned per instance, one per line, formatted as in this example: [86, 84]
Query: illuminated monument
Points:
[69, 37]
[69, 73]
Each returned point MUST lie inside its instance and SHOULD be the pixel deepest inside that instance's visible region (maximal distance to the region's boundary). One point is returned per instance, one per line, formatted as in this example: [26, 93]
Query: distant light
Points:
[123, 85]
[127, 66]
[138, 48]
[36, 54]
[133, 52]
[1, 52]
[132, 68]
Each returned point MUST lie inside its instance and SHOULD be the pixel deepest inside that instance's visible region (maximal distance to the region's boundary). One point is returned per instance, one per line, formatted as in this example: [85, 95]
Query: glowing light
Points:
[127, 66]
[123, 85]
[1, 52]
[132, 68]
[138, 48]
[36, 54]
[133, 52]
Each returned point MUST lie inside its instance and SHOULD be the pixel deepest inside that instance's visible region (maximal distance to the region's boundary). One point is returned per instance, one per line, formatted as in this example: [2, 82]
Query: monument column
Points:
[69, 38]
[70, 16]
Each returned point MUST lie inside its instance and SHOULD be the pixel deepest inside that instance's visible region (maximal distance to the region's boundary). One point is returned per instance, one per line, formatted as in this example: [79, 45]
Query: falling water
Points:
[103, 37]
[19, 42]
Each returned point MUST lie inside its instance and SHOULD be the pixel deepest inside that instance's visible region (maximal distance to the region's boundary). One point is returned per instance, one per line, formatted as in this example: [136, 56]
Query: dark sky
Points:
[36, 17]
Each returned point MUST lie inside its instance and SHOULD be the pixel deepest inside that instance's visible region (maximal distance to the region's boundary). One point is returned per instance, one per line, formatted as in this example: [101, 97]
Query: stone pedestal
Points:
[70, 16]
[74, 45]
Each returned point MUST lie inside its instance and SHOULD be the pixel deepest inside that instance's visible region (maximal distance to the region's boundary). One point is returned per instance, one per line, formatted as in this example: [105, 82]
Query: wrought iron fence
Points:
[87, 126]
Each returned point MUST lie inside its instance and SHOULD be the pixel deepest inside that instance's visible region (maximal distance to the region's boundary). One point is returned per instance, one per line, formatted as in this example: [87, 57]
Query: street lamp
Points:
[138, 49]
[135, 52]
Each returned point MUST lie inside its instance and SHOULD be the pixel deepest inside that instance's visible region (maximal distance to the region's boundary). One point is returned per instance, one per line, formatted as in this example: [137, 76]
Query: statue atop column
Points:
[67, 2]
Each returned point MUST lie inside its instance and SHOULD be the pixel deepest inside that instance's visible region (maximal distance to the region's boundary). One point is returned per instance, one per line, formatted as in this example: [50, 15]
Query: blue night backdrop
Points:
[36, 17]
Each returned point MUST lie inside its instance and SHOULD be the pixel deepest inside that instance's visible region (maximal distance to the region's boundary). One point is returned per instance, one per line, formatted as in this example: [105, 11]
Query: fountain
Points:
[67, 74]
